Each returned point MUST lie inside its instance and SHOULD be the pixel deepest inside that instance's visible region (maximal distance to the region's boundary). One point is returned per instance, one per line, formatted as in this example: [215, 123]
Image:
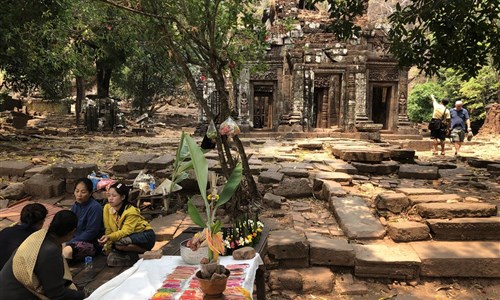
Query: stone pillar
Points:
[297, 97]
[243, 105]
[308, 98]
[363, 123]
[351, 102]
[404, 124]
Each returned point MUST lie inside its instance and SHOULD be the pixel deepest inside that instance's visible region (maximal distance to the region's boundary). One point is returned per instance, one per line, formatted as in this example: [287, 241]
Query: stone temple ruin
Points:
[316, 82]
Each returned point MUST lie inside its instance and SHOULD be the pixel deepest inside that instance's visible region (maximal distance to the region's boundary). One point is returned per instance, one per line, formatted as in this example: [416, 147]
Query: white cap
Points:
[459, 103]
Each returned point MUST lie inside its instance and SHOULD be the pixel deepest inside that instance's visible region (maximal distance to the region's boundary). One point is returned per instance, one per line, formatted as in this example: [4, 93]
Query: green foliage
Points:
[200, 166]
[432, 34]
[476, 93]
[343, 14]
[420, 103]
[34, 45]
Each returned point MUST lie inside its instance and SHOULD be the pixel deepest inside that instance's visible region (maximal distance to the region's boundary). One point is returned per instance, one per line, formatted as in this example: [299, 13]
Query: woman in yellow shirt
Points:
[125, 229]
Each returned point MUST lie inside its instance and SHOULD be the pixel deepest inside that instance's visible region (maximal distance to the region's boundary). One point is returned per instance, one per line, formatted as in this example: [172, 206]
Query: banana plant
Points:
[212, 201]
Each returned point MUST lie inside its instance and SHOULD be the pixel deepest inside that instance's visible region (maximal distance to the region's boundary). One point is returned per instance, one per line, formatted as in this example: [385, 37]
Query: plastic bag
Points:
[229, 128]
[144, 182]
[96, 180]
[212, 131]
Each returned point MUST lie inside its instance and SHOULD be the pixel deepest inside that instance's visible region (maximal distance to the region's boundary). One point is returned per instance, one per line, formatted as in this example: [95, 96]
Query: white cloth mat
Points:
[143, 279]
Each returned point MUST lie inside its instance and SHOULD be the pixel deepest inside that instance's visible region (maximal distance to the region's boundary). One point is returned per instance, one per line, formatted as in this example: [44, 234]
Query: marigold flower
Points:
[213, 198]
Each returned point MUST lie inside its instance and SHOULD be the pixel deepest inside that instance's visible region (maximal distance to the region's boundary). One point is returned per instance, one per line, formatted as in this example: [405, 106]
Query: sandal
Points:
[434, 153]
[442, 153]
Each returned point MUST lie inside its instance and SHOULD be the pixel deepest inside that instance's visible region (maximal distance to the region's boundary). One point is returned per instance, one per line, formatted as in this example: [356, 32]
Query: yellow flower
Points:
[211, 197]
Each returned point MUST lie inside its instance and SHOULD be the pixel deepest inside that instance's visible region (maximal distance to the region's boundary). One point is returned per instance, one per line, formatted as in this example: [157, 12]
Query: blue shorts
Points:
[145, 239]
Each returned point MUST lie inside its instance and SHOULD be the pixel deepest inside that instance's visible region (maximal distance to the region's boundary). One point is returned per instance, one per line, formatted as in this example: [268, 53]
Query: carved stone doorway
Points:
[325, 110]
[382, 98]
[263, 107]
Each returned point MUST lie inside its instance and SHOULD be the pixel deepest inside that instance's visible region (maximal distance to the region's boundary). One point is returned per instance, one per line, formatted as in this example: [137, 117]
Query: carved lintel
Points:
[322, 81]
[384, 74]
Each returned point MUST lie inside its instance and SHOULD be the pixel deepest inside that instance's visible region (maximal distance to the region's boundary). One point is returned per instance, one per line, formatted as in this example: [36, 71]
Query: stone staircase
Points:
[402, 234]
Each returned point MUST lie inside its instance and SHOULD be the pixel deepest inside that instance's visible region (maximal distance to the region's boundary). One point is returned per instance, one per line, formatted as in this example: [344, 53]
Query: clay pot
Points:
[213, 287]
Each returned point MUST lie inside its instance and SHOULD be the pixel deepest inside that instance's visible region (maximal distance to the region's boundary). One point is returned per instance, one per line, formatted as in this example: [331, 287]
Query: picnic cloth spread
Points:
[143, 279]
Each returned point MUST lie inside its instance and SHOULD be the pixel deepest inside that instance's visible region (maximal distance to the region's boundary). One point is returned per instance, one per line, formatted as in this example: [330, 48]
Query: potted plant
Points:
[211, 275]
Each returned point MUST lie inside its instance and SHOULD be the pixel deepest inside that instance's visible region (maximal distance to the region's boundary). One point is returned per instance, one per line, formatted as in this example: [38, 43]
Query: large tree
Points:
[212, 36]
[433, 34]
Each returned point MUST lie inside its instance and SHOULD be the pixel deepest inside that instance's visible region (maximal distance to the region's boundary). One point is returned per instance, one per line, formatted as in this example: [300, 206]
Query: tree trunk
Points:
[80, 96]
[103, 80]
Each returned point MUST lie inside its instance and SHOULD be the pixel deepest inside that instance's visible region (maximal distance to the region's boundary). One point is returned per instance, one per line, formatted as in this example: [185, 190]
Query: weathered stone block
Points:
[292, 172]
[419, 191]
[14, 191]
[137, 161]
[273, 201]
[366, 155]
[73, 171]
[455, 210]
[317, 280]
[287, 244]
[383, 168]
[418, 172]
[285, 280]
[493, 168]
[398, 262]
[343, 168]
[402, 154]
[394, 202]
[244, 253]
[310, 145]
[356, 219]
[417, 199]
[14, 168]
[270, 177]
[294, 188]
[329, 252]
[331, 188]
[465, 228]
[407, 231]
[161, 162]
[342, 178]
[44, 186]
[458, 259]
[293, 263]
[36, 170]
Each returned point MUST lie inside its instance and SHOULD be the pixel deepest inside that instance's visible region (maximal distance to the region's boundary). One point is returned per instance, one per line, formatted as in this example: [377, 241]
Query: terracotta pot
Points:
[213, 287]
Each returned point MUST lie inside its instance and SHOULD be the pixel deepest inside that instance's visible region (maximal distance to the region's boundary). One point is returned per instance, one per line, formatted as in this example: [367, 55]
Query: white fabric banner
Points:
[143, 279]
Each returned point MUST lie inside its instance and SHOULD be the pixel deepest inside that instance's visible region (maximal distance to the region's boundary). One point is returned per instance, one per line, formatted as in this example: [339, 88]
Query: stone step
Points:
[356, 219]
[419, 191]
[411, 171]
[417, 199]
[455, 210]
[384, 261]
[392, 137]
[466, 229]
[458, 259]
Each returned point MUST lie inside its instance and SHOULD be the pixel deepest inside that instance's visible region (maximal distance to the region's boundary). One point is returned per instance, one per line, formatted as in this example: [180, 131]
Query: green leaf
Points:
[195, 215]
[231, 185]
[200, 166]
[180, 177]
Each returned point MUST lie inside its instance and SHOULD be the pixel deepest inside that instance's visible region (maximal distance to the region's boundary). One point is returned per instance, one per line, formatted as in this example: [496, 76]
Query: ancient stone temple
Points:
[315, 81]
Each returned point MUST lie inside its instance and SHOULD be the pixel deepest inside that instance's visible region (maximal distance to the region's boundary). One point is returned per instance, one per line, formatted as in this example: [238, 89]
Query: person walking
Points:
[460, 124]
[440, 121]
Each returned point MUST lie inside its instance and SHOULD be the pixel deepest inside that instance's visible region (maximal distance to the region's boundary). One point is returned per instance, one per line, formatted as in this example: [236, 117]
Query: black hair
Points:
[63, 223]
[122, 190]
[445, 101]
[33, 213]
[87, 182]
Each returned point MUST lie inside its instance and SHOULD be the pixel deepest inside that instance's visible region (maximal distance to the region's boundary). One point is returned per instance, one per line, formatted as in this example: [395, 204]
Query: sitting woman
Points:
[37, 270]
[89, 229]
[125, 229]
[32, 219]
